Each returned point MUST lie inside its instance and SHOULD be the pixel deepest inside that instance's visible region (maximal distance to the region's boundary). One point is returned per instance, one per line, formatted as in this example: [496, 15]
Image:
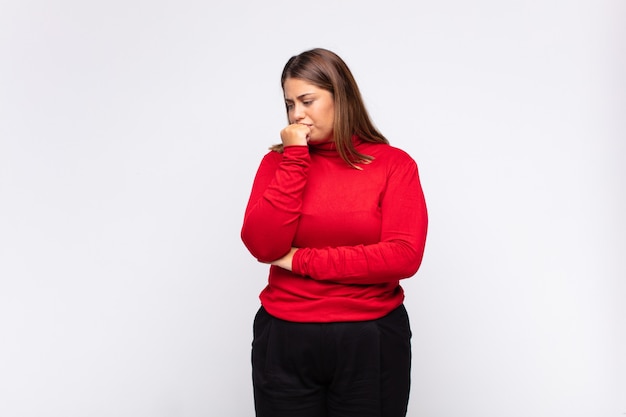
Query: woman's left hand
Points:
[286, 261]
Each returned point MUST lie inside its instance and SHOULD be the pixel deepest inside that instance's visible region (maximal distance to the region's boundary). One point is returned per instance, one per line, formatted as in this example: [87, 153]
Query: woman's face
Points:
[311, 106]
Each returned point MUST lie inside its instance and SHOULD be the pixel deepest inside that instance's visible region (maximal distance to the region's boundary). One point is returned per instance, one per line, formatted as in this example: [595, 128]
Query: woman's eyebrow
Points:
[300, 97]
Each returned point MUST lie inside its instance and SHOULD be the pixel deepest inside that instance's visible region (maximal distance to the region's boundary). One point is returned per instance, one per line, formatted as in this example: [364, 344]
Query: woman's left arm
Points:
[399, 253]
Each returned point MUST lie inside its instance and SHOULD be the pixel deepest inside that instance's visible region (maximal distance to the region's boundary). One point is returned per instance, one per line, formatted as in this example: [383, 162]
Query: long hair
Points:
[326, 70]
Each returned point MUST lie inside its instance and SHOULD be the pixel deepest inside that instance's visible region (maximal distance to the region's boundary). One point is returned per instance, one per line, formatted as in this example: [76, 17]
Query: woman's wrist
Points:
[286, 262]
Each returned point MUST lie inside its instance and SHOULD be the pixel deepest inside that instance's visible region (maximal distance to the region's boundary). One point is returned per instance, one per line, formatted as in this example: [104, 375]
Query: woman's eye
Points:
[308, 102]
[289, 106]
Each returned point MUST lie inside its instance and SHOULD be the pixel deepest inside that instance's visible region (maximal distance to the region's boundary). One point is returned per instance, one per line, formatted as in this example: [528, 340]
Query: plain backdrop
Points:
[130, 132]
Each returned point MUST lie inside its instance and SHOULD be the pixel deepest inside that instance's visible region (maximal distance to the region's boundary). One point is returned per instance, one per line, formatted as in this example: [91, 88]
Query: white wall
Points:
[129, 135]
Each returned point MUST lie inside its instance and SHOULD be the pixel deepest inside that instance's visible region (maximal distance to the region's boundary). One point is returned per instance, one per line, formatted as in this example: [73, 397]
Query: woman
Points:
[340, 216]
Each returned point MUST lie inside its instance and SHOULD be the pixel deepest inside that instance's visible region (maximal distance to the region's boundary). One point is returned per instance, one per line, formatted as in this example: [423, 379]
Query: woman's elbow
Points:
[264, 251]
[412, 262]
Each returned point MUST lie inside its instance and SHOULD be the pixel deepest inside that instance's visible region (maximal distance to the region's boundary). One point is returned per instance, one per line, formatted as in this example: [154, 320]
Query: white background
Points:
[130, 132]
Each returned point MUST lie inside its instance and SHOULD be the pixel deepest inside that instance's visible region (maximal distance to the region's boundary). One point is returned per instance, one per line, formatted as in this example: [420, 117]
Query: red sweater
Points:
[359, 231]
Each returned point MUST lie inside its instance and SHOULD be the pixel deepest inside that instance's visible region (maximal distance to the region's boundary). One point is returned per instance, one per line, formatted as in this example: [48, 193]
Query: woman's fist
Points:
[296, 134]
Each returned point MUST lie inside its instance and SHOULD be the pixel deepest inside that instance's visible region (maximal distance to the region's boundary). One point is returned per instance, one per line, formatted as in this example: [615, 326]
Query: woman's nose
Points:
[298, 113]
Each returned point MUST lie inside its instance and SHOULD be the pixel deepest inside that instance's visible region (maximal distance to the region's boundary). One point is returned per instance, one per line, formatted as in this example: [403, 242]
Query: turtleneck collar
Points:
[330, 148]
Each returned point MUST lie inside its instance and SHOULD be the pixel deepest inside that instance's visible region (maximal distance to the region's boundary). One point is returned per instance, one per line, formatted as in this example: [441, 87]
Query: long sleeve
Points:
[358, 231]
[274, 207]
[399, 252]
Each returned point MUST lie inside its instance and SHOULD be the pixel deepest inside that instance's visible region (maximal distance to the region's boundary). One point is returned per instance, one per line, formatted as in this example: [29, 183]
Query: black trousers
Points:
[346, 369]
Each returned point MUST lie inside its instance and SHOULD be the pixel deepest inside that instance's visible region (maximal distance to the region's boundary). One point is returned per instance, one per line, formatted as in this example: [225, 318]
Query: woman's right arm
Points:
[273, 210]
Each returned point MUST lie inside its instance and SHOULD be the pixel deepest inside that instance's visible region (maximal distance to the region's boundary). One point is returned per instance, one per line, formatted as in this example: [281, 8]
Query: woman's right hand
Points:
[295, 134]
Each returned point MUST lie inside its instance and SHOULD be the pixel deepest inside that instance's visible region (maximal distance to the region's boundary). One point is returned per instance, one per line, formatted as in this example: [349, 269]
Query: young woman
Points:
[340, 216]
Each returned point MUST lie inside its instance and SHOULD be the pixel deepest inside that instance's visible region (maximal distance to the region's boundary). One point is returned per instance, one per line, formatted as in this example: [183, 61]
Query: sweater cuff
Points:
[296, 149]
[296, 153]
[296, 263]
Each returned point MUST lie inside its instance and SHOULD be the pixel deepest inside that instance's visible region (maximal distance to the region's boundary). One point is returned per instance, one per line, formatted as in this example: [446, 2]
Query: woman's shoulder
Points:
[275, 154]
[389, 153]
